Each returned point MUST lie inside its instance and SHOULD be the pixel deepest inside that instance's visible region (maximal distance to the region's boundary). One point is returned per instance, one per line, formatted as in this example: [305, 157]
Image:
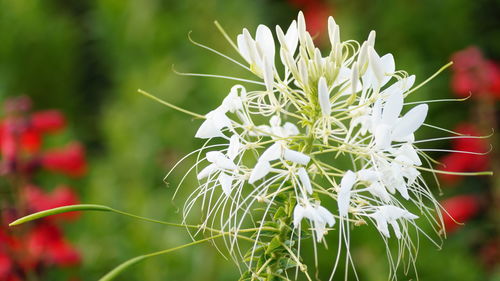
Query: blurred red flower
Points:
[316, 13]
[48, 121]
[459, 209]
[46, 244]
[462, 162]
[37, 246]
[69, 160]
[475, 75]
[37, 200]
[5, 266]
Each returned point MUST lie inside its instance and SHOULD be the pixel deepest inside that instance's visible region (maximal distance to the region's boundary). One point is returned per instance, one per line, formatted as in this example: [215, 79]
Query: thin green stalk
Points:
[119, 269]
[170, 105]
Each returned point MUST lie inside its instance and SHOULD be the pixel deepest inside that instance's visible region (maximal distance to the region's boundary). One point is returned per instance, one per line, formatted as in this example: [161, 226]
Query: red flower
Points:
[46, 243]
[316, 16]
[461, 162]
[38, 201]
[48, 121]
[473, 74]
[5, 266]
[16, 137]
[459, 209]
[69, 160]
[316, 13]
[31, 140]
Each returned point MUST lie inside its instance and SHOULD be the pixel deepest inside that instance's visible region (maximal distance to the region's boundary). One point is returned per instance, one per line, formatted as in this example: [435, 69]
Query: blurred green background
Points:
[88, 58]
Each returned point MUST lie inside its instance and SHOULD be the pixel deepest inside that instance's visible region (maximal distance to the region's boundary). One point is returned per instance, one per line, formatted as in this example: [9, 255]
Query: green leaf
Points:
[60, 210]
[280, 213]
[287, 263]
[273, 245]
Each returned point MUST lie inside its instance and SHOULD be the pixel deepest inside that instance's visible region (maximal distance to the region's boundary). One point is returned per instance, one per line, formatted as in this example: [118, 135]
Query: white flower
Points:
[344, 196]
[318, 111]
[259, 53]
[215, 121]
[275, 130]
[389, 214]
[234, 100]
[374, 186]
[388, 127]
[305, 180]
[224, 164]
[380, 69]
[324, 97]
[276, 151]
[318, 216]
[296, 157]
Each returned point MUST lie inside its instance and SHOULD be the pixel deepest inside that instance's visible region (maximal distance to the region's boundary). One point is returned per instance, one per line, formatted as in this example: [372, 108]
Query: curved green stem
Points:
[119, 269]
[171, 105]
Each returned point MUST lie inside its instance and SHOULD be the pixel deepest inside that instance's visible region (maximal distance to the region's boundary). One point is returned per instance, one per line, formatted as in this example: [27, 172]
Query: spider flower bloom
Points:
[331, 129]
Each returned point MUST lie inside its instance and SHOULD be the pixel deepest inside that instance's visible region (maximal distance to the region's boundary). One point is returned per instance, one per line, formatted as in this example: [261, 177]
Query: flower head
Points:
[331, 127]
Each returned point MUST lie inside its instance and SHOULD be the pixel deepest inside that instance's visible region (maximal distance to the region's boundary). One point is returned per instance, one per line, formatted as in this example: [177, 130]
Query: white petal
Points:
[392, 108]
[243, 47]
[264, 39]
[344, 196]
[409, 151]
[263, 130]
[208, 130]
[207, 171]
[388, 67]
[368, 175]
[371, 38]
[234, 147]
[304, 179]
[320, 228]
[376, 115]
[272, 153]
[261, 169]
[362, 57]
[233, 102]
[383, 136]
[292, 37]
[290, 129]
[392, 213]
[381, 223]
[410, 122]
[324, 97]
[213, 125]
[397, 231]
[304, 76]
[378, 190]
[251, 48]
[298, 215]
[221, 160]
[326, 215]
[275, 121]
[398, 181]
[226, 182]
[355, 84]
[409, 216]
[296, 157]
[333, 32]
[268, 75]
[376, 66]
[301, 27]
[402, 85]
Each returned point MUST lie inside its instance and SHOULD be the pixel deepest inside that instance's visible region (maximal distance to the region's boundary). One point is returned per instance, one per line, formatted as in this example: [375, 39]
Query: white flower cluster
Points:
[306, 115]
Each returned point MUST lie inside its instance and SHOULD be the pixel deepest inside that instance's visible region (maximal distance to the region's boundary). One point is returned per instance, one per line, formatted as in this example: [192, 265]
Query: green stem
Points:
[171, 105]
[113, 273]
